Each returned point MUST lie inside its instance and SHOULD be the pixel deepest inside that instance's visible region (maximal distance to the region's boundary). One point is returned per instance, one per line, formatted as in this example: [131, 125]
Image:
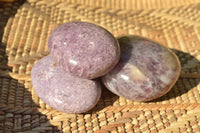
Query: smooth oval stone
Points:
[62, 91]
[84, 49]
[146, 70]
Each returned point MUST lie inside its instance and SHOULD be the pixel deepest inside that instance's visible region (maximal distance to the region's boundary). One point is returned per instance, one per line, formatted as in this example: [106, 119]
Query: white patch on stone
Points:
[58, 101]
[164, 79]
[73, 62]
[80, 35]
[124, 77]
[138, 74]
[112, 86]
[92, 43]
[48, 74]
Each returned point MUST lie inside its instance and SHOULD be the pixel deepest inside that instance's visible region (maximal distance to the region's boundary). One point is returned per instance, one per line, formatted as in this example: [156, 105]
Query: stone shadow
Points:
[18, 112]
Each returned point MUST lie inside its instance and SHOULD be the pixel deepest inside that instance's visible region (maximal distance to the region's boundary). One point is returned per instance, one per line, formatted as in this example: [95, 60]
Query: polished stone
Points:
[62, 91]
[146, 70]
[83, 49]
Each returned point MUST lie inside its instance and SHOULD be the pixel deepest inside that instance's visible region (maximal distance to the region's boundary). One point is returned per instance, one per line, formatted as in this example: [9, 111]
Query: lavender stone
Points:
[62, 91]
[146, 70]
[84, 49]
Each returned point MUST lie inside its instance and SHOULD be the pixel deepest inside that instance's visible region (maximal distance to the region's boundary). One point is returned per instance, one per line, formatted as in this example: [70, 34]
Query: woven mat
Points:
[24, 30]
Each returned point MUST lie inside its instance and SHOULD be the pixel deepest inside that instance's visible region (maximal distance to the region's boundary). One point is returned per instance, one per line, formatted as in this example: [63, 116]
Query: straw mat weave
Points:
[24, 30]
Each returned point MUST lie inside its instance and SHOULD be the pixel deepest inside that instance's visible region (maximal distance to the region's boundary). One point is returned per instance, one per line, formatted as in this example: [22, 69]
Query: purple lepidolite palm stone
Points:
[62, 91]
[146, 70]
[84, 49]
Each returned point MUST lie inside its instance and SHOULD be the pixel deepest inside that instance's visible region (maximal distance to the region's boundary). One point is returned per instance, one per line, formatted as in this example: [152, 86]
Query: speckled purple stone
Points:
[84, 49]
[145, 71]
[62, 91]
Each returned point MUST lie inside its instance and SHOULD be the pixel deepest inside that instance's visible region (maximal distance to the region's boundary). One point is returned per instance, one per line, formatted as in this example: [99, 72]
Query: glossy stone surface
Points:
[62, 91]
[84, 49]
[146, 70]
